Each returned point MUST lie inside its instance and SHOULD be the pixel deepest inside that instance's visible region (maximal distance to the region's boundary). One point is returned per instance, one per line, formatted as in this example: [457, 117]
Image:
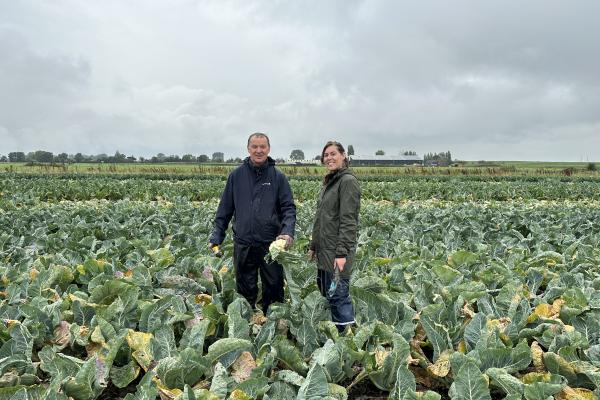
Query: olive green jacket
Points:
[335, 229]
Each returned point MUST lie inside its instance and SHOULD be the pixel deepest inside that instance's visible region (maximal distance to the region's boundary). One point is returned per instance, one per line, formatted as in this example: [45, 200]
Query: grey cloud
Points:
[500, 79]
[37, 90]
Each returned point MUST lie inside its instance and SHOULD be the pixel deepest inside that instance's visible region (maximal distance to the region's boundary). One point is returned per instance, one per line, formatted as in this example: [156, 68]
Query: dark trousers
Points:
[248, 261]
[342, 311]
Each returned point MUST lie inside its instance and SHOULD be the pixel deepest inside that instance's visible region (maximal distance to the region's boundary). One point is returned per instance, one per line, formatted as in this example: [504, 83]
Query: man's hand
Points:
[341, 262]
[214, 249]
[311, 255]
[288, 240]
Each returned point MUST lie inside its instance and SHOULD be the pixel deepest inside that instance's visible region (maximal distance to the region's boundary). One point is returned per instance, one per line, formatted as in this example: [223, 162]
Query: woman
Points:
[335, 232]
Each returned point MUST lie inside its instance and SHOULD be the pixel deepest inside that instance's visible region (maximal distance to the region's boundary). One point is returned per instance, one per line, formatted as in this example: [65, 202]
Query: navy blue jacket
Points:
[260, 201]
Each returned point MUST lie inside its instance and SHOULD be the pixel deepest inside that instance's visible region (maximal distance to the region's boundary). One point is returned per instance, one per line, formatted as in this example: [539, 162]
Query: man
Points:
[259, 198]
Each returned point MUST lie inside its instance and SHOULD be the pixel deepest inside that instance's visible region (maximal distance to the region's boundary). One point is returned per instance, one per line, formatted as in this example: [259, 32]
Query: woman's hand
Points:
[340, 262]
[311, 255]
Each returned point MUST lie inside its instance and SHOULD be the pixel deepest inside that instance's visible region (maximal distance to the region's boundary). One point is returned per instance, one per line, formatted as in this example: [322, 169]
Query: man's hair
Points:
[258, 134]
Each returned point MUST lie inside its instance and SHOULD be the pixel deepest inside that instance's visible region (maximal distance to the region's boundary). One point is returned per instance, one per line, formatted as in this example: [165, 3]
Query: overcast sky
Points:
[487, 80]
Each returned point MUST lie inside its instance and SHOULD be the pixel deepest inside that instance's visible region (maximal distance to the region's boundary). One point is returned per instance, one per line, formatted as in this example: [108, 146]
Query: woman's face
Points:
[333, 159]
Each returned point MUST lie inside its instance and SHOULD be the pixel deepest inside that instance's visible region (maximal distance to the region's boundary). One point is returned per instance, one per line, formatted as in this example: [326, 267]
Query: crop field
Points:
[465, 287]
[479, 168]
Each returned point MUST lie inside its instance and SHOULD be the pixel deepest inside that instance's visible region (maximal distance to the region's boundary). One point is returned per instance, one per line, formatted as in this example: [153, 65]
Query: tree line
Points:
[41, 156]
[442, 159]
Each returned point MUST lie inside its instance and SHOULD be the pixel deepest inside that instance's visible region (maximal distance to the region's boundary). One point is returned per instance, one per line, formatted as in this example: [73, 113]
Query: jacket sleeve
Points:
[349, 208]
[224, 213]
[287, 207]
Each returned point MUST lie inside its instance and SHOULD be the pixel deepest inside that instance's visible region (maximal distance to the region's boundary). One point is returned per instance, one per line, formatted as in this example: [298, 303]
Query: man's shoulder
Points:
[239, 170]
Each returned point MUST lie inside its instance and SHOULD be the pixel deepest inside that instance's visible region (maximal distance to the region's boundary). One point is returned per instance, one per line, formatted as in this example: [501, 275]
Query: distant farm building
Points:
[385, 160]
[289, 161]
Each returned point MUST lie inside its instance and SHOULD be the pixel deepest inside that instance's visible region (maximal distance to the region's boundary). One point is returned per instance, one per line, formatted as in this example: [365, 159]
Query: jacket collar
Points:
[269, 161]
[260, 168]
[332, 176]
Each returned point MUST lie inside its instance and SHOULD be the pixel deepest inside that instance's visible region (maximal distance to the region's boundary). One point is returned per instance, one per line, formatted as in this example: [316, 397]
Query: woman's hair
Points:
[339, 147]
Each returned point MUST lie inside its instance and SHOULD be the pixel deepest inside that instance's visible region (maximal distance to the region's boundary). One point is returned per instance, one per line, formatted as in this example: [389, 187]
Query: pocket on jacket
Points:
[270, 229]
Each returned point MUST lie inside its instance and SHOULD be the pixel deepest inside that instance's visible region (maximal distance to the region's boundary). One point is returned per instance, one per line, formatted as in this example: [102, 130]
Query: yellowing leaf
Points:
[140, 343]
[533, 377]
[379, 261]
[138, 340]
[468, 311]
[97, 336]
[462, 347]
[238, 394]
[203, 384]
[11, 322]
[420, 333]
[223, 270]
[203, 299]
[242, 367]
[92, 349]
[55, 295]
[545, 311]
[83, 331]
[558, 364]
[500, 323]
[537, 356]
[33, 273]
[81, 269]
[441, 367]
[164, 391]
[558, 303]
[569, 393]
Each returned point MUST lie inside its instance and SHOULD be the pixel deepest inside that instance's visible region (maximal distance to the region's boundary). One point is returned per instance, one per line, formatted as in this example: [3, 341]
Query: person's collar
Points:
[338, 171]
[259, 166]
[333, 174]
[268, 161]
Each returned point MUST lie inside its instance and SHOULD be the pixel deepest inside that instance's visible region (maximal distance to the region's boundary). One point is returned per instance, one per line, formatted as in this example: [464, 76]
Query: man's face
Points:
[258, 149]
